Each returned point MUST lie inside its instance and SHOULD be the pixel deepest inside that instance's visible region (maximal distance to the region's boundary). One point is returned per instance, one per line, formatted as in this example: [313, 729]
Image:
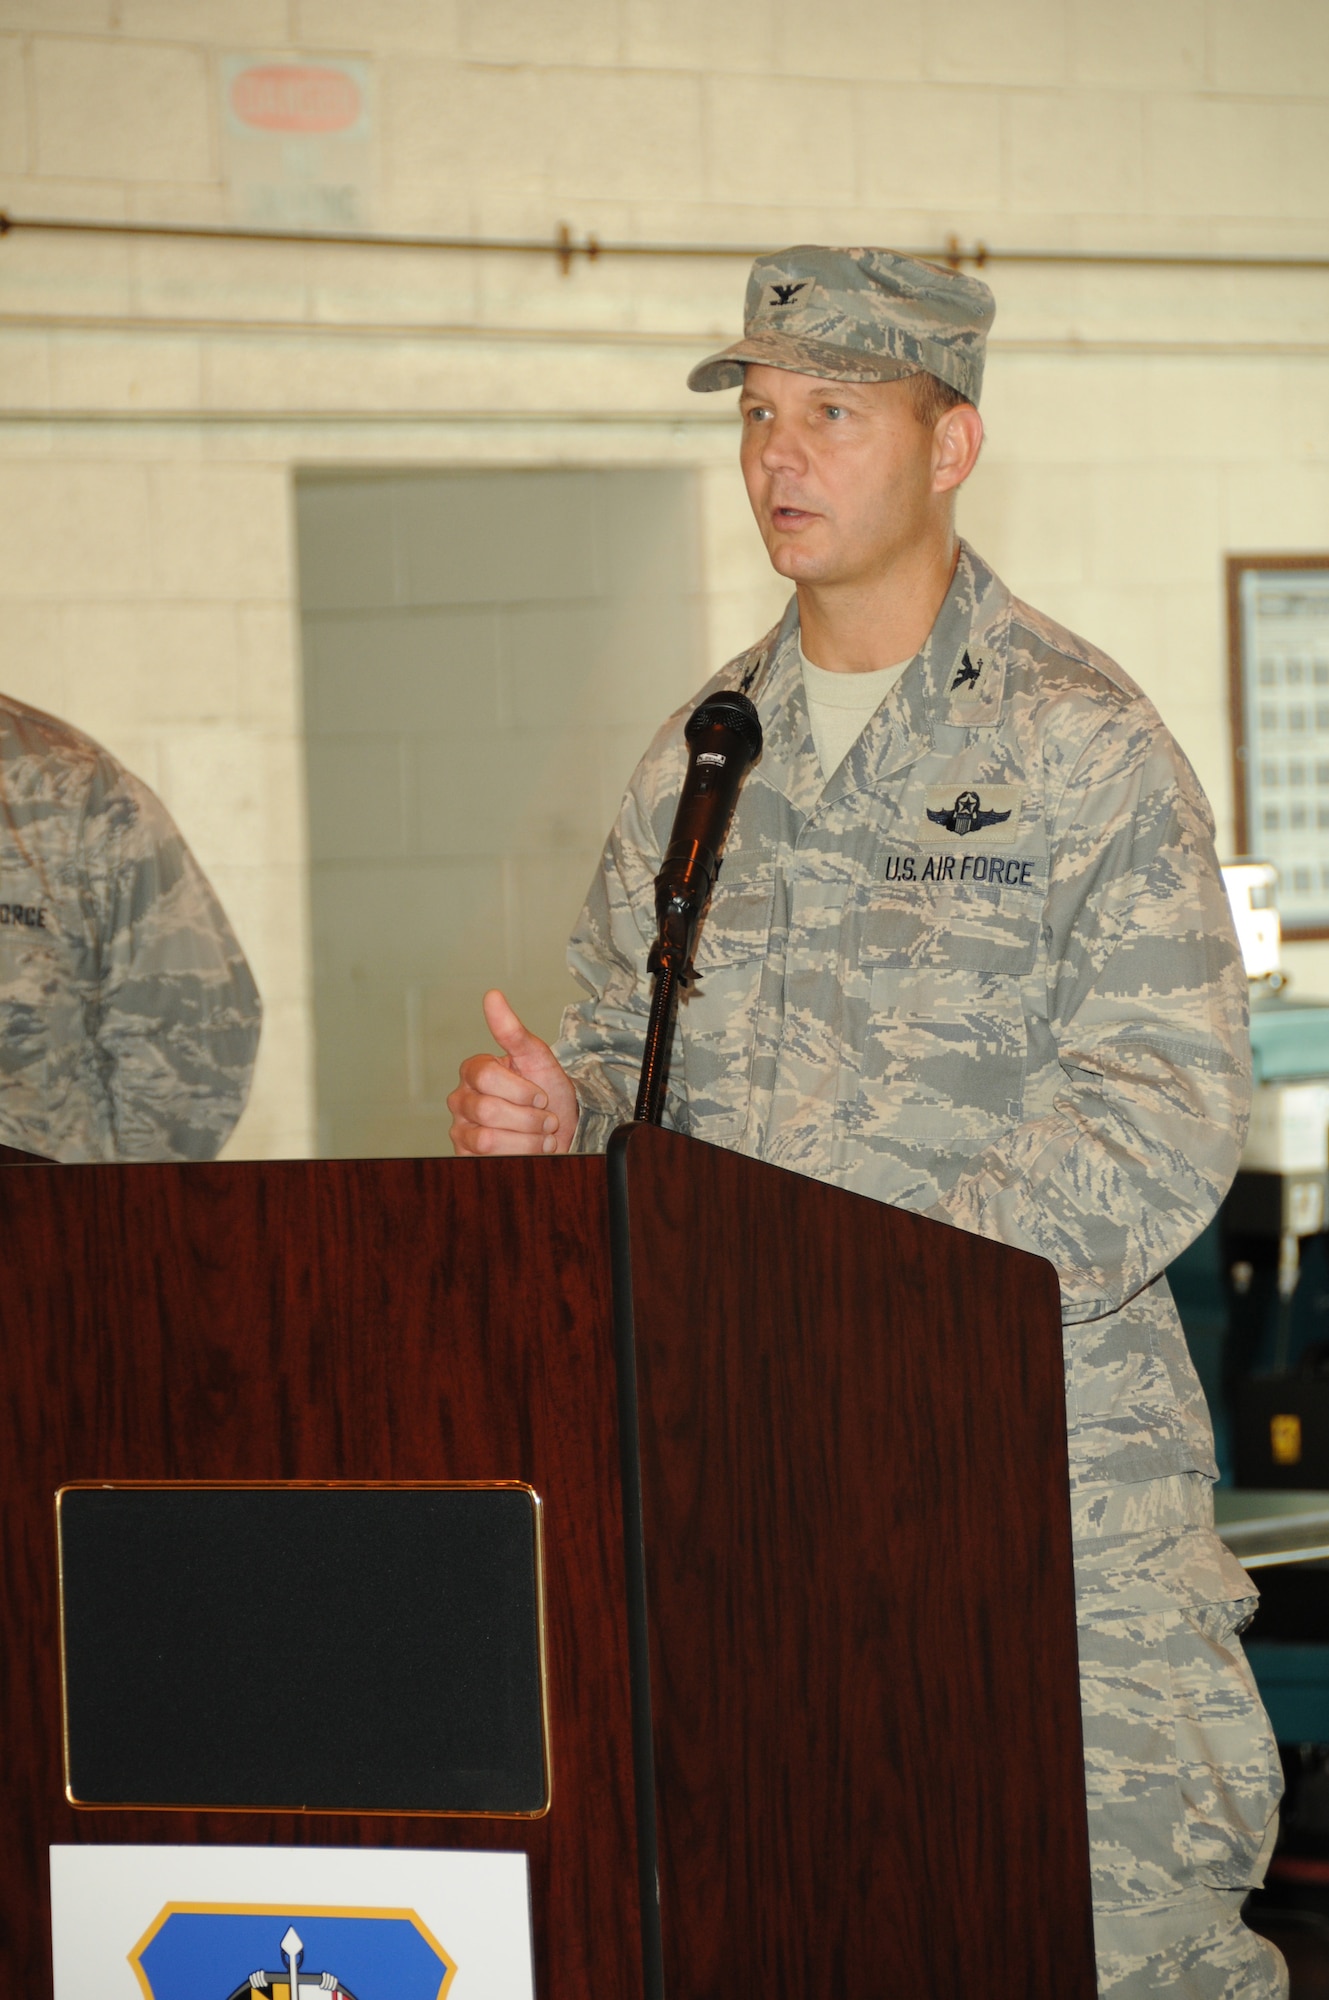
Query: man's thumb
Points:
[506, 1027]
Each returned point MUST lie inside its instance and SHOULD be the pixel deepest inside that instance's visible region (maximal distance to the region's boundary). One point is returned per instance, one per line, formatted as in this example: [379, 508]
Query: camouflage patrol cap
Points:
[857, 316]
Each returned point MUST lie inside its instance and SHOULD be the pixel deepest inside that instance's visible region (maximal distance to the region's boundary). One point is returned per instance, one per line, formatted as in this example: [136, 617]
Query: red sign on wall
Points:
[298, 142]
[296, 97]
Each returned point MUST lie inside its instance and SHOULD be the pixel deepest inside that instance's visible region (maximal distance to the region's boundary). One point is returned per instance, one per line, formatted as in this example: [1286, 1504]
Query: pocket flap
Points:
[737, 924]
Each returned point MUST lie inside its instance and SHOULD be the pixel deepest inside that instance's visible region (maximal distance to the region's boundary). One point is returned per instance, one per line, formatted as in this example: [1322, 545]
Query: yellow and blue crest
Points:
[231, 1951]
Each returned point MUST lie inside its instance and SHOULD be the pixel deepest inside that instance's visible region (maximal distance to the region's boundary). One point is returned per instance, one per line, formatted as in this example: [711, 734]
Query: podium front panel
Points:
[861, 1661]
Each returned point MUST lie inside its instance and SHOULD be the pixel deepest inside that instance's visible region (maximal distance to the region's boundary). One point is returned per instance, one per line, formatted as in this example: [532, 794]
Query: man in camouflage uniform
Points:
[981, 966]
[128, 1018]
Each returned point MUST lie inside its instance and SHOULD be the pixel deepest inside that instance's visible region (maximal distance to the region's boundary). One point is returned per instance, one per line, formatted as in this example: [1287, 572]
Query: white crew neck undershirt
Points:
[841, 705]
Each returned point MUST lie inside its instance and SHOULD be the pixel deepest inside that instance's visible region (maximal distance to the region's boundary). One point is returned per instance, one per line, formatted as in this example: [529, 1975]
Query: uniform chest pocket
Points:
[737, 927]
[946, 1021]
[953, 932]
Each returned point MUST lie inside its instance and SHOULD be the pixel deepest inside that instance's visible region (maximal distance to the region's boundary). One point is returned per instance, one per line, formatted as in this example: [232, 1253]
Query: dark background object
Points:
[1266, 1401]
[280, 1647]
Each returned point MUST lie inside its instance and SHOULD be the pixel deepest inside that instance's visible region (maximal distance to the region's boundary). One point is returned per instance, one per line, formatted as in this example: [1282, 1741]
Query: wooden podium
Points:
[809, 1646]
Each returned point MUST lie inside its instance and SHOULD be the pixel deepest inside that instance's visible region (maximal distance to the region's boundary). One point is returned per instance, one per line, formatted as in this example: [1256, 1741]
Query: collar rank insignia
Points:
[976, 688]
[784, 294]
[994, 812]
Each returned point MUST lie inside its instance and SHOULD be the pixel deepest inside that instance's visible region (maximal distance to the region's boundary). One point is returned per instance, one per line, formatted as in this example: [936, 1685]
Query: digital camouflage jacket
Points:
[985, 971]
[129, 1021]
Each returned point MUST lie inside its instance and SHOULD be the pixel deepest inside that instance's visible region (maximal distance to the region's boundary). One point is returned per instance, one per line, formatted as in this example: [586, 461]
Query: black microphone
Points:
[724, 736]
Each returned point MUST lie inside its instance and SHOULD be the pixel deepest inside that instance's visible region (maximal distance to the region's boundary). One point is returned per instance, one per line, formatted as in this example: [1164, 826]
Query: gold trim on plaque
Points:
[318, 1486]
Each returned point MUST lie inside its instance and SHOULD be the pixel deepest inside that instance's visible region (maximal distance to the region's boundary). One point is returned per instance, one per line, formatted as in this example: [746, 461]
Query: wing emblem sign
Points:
[236, 1951]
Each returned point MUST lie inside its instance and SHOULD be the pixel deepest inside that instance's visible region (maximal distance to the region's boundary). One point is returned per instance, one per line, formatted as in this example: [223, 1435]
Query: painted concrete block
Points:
[267, 668]
[435, 671]
[540, 31]
[448, 124]
[346, 554]
[1143, 44]
[33, 656]
[1280, 47]
[1306, 137]
[1215, 156]
[25, 370]
[119, 371]
[1279, 507]
[625, 130]
[689, 34]
[539, 807]
[221, 531]
[1022, 42]
[139, 111]
[157, 664]
[58, 17]
[361, 1054]
[1075, 150]
[932, 146]
[415, 25]
[1030, 521]
[370, 919]
[467, 539]
[244, 283]
[191, 202]
[74, 528]
[13, 107]
[234, 24]
[647, 533]
[778, 139]
[857, 39]
[602, 664]
[235, 797]
[39, 274]
[1302, 408]
[1153, 524]
[420, 287]
[360, 1132]
[357, 802]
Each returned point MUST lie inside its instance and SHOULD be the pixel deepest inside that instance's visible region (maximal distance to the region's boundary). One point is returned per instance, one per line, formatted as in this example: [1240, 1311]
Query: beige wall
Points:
[484, 654]
[156, 397]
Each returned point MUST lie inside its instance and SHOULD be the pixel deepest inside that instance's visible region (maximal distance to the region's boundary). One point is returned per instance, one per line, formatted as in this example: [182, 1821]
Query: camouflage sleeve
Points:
[1147, 997]
[177, 1010]
[603, 1036]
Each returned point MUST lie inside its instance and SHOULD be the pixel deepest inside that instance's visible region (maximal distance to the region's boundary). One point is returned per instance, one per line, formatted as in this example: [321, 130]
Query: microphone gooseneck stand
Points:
[672, 969]
[724, 738]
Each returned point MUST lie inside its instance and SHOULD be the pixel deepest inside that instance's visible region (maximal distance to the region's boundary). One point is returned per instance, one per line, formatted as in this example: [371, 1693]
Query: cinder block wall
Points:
[157, 396]
[482, 653]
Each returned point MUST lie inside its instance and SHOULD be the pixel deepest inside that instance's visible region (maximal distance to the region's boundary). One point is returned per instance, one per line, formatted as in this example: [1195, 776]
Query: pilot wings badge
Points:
[993, 812]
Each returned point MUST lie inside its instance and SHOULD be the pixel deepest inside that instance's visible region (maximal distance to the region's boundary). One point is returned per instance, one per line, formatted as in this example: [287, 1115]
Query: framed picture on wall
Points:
[1278, 650]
